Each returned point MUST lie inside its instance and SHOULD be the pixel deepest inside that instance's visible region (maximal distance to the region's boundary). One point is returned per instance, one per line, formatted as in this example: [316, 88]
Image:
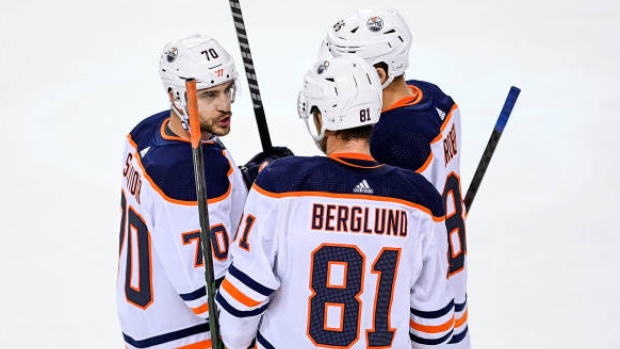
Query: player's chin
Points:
[220, 131]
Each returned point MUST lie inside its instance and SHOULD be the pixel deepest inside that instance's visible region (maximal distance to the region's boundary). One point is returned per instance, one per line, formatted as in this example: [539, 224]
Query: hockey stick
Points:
[203, 209]
[250, 73]
[511, 99]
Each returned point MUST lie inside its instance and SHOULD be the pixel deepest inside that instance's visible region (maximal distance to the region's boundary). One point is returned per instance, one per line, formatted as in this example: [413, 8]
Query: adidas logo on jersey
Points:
[144, 151]
[363, 187]
[441, 113]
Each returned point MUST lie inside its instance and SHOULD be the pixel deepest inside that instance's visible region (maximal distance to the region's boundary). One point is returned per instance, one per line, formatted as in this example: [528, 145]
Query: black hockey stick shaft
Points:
[203, 210]
[511, 99]
[250, 73]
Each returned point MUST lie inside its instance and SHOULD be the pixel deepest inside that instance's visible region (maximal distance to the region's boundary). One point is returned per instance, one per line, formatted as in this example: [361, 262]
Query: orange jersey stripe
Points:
[236, 294]
[460, 321]
[201, 309]
[198, 345]
[432, 329]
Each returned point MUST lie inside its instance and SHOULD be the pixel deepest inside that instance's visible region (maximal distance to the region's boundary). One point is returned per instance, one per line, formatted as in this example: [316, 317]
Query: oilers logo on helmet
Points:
[172, 54]
[379, 35]
[197, 56]
[322, 67]
[375, 24]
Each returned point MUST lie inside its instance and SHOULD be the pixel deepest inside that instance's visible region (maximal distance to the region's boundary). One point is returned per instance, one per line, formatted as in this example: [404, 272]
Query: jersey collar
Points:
[409, 100]
[355, 160]
[167, 134]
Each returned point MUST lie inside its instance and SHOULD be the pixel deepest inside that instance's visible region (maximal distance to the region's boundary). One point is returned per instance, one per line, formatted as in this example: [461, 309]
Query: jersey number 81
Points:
[344, 296]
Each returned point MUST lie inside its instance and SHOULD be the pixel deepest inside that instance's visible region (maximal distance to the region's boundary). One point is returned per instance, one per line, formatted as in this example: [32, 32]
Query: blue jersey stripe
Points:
[249, 282]
[429, 341]
[167, 337]
[457, 338]
[265, 343]
[433, 314]
[201, 292]
[460, 306]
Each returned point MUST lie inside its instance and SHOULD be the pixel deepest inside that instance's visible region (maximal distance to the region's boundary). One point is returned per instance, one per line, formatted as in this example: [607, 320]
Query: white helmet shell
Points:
[377, 35]
[197, 56]
[347, 92]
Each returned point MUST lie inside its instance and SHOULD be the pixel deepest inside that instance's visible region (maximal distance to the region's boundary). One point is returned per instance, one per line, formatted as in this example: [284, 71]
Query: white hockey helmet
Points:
[347, 92]
[377, 35]
[197, 56]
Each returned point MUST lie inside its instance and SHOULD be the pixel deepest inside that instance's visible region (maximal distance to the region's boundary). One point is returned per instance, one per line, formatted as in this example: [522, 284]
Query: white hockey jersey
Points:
[338, 252]
[161, 297]
[422, 133]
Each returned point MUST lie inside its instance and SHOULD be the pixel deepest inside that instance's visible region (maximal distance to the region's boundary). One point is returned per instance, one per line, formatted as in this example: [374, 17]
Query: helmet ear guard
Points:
[175, 102]
[197, 56]
[378, 35]
[345, 90]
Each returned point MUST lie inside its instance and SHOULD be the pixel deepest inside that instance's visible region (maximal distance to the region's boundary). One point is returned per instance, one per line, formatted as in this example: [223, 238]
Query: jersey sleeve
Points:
[431, 297]
[244, 294]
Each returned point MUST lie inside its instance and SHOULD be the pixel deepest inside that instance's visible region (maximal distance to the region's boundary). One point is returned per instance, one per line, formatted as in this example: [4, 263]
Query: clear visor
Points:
[232, 91]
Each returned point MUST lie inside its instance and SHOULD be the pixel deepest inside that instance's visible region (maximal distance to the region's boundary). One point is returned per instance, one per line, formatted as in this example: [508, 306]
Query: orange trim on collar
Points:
[168, 137]
[409, 100]
[359, 156]
[339, 157]
[178, 138]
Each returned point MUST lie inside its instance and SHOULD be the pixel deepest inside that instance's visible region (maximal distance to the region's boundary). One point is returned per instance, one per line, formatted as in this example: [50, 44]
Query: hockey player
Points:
[419, 128]
[161, 297]
[338, 251]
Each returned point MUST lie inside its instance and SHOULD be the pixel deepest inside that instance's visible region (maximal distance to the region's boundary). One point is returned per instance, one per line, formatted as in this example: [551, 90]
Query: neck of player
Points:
[396, 91]
[335, 144]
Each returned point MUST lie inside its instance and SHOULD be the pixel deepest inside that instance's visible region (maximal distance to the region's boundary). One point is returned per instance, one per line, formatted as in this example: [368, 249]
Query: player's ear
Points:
[317, 117]
[383, 76]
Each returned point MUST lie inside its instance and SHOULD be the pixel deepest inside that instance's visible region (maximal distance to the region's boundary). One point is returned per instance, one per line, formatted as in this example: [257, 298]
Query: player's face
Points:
[214, 108]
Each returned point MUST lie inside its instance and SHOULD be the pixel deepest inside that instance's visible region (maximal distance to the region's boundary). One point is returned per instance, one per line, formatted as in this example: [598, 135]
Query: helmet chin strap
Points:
[180, 114]
[318, 138]
[388, 81]
[180, 108]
